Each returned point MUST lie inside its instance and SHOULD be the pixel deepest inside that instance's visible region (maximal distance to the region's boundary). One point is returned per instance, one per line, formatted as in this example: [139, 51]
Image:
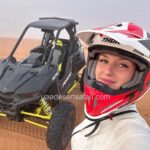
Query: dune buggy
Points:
[33, 87]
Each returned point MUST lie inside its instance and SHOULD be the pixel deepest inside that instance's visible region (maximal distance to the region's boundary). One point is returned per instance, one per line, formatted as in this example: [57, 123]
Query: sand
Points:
[24, 136]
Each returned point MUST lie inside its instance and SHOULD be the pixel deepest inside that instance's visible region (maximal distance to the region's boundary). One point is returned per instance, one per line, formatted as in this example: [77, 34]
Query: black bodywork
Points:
[50, 69]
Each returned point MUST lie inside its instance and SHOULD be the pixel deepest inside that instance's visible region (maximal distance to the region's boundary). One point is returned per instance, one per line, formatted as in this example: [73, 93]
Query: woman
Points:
[117, 75]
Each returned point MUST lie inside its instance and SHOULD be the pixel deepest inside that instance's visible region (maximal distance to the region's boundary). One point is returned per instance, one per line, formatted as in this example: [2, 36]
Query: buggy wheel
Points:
[61, 126]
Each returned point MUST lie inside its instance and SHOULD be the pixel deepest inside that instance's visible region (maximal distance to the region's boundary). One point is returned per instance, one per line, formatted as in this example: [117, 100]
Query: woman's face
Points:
[114, 70]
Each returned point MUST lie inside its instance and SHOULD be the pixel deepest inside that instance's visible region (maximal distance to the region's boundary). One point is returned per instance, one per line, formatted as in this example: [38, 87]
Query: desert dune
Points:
[25, 136]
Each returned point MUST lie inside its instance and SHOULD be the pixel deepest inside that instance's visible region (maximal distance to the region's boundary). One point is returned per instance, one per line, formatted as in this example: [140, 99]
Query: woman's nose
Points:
[109, 70]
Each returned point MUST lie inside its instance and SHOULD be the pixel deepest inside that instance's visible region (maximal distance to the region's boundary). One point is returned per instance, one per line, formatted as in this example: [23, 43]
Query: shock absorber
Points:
[45, 106]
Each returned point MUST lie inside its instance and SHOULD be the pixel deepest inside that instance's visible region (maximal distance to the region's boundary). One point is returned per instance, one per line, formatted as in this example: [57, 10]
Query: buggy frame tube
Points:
[18, 42]
[72, 87]
[34, 123]
[36, 115]
[29, 121]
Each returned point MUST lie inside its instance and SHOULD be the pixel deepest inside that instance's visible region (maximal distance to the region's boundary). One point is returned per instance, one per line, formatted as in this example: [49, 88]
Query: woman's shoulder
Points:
[133, 132]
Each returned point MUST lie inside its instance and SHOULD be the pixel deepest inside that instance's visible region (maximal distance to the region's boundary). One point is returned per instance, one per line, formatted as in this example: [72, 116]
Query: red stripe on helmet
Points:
[136, 30]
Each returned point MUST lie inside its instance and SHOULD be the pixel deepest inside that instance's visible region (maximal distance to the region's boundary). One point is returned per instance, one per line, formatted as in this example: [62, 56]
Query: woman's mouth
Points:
[106, 81]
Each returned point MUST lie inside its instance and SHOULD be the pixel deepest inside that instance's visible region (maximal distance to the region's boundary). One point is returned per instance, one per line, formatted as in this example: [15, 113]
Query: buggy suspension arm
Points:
[30, 121]
[35, 123]
[36, 115]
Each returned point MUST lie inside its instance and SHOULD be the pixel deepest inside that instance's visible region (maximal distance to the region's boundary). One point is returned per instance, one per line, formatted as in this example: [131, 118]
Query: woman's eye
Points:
[103, 61]
[124, 65]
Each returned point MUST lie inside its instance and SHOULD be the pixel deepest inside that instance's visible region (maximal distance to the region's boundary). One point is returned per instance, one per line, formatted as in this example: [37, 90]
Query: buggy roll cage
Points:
[49, 24]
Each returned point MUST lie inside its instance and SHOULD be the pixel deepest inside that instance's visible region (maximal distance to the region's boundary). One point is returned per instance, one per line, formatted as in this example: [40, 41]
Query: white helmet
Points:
[126, 39]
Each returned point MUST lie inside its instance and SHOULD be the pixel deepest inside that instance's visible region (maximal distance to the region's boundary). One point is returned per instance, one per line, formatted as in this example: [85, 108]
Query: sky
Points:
[16, 14]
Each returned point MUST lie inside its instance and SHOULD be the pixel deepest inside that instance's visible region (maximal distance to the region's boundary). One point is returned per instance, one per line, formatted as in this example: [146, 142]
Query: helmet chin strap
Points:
[96, 122]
